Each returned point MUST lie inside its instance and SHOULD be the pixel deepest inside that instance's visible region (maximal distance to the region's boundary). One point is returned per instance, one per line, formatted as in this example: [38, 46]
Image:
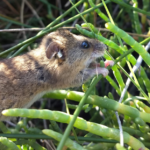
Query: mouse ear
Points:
[52, 50]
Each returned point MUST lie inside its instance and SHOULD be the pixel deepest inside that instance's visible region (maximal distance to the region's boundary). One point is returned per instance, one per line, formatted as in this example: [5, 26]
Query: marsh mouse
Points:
[61, 61]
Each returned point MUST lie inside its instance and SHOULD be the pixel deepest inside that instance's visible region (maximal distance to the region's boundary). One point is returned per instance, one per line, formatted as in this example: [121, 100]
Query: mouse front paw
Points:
[102, 71]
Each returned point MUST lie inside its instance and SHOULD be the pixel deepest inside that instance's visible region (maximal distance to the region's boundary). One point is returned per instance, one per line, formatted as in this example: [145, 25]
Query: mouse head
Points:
[69, 54]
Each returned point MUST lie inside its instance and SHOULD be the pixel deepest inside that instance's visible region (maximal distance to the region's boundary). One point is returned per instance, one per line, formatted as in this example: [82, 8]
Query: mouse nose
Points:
[100, 46]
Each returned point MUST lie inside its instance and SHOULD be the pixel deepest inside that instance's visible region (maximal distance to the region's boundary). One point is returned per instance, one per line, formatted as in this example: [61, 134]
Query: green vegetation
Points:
[126, 90]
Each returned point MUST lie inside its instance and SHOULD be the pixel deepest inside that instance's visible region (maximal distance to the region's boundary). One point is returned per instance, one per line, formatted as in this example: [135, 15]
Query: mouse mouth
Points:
[93, 64]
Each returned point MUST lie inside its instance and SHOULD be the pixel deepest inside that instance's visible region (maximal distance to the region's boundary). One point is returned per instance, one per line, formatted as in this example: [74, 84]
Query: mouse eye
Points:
[85, 44]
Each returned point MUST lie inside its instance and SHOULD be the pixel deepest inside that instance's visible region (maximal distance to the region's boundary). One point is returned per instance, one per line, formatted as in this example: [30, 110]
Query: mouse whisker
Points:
[96, 70]
[82, 76]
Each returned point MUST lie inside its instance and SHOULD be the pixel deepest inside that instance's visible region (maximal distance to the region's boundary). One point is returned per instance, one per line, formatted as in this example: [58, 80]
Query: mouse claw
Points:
[109, 63]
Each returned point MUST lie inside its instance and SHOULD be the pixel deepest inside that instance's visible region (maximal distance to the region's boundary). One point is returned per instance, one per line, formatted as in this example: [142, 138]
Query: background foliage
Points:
[122, 97]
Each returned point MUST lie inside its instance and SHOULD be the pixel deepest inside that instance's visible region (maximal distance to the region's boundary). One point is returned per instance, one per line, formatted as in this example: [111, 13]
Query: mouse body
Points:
[61, 61]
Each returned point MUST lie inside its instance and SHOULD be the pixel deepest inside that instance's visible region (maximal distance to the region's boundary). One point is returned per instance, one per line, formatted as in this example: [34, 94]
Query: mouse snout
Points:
[100, 46]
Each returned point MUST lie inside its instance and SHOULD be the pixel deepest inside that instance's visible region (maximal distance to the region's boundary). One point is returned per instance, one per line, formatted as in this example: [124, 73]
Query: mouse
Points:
[62, 60]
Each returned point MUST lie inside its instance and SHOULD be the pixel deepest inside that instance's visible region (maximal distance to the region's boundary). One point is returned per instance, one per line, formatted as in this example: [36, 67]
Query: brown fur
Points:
[23, 77]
